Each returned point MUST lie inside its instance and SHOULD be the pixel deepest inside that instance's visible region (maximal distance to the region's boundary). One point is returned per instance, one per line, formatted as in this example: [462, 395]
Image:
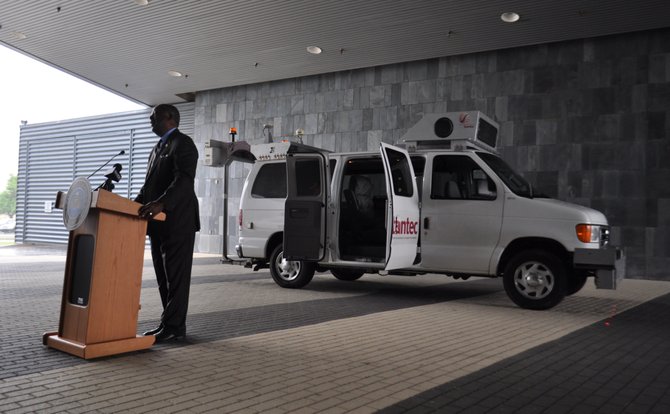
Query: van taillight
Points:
[239, 219]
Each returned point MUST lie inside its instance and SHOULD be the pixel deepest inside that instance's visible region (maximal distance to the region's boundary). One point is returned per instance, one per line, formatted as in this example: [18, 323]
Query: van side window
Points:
[270, 181]
[308, 177]
[458, 177]
[400, 174]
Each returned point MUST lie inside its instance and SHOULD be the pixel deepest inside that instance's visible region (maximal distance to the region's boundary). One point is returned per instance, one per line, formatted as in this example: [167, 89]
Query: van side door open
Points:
[402, 214]
[305, 207]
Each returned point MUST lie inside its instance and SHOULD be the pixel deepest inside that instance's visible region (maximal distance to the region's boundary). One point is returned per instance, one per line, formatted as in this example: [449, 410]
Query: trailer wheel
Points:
[347, 275]
[576, 283]
[292, 274]
[535, 279]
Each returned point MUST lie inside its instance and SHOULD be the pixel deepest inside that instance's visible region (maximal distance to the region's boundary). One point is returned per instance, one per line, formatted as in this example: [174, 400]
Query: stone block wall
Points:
[587, 121]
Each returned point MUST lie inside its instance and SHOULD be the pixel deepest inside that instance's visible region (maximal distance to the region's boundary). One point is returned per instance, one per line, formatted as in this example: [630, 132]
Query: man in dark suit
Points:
[168, 188]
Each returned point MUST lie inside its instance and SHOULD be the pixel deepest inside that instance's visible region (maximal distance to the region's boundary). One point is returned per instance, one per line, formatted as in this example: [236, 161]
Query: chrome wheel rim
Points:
[288, 270]
[534, 280]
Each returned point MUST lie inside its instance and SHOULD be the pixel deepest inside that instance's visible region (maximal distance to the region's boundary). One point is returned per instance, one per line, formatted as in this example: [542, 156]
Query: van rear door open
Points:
[305, 208]
[402, 213]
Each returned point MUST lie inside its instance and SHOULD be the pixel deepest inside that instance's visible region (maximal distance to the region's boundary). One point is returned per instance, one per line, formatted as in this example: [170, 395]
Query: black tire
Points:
[575, 283]
[290, 274]
[348, 275]
[535, 279]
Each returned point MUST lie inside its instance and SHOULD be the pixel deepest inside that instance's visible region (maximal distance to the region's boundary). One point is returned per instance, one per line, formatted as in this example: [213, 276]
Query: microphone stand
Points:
[108, 161]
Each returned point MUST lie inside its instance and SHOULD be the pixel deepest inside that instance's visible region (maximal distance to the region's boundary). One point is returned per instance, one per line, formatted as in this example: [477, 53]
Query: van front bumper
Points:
[608, 264]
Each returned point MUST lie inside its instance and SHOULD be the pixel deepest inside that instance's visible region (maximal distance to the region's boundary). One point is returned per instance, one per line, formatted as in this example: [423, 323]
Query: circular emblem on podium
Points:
[77, 203]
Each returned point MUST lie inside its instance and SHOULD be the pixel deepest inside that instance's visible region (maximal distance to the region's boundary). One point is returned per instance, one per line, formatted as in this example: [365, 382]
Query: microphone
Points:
[110, 160]
[113, 175]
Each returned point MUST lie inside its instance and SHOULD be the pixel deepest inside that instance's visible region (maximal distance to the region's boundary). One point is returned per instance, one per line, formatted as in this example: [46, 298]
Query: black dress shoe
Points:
[165, 335]
[153, 331]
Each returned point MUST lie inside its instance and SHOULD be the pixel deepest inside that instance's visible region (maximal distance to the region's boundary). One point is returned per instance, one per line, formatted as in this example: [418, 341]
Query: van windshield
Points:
[513, 180]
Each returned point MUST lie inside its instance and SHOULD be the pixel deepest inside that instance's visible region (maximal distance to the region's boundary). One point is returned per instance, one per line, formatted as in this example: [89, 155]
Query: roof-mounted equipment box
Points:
[470, 129]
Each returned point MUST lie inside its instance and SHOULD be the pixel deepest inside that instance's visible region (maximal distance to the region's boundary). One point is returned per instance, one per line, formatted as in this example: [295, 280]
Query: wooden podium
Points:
[103, 278]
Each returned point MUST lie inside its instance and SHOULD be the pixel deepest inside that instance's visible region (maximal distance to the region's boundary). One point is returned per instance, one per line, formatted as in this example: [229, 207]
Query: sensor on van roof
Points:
[471, 128]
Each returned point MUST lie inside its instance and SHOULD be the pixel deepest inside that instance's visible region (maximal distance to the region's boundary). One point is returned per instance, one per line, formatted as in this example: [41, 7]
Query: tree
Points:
[8, 197]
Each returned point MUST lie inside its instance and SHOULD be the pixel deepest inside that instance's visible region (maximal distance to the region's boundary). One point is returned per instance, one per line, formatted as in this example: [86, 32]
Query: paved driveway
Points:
[395, 344]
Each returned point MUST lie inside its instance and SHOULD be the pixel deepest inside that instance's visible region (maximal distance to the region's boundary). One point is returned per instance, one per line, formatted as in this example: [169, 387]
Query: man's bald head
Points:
[163, 118]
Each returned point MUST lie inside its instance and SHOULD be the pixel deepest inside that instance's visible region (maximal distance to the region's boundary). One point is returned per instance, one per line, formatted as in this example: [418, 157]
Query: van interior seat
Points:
[483, 188]
[362, 232]
[349, 199]
[362, 191]
[451, 190]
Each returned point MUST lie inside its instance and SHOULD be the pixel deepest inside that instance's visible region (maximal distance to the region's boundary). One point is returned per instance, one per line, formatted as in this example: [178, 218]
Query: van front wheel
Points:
[535, 279]
[576, 283]
[292, 274]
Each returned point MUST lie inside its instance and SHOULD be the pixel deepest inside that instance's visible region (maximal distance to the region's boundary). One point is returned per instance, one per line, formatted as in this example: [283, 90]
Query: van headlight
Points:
[589, 233]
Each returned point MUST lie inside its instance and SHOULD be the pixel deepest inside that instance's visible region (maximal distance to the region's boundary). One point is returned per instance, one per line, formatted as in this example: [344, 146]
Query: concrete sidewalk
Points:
[390, 344]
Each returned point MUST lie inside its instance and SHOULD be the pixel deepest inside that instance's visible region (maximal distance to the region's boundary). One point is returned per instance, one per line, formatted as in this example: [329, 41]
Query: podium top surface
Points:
[105, 200]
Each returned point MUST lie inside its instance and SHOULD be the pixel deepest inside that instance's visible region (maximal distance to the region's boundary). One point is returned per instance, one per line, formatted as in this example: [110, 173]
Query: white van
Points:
[445, 203]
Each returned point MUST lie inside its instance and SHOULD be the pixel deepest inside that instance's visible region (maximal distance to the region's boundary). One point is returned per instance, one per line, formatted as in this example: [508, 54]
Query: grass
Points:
[7, 239]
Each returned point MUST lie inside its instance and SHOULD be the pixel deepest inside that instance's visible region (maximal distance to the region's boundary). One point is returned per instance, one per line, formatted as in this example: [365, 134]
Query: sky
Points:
[35, 92]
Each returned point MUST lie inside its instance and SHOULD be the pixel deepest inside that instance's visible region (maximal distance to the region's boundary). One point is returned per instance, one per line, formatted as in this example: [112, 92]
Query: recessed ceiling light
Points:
[315, 50]
[142, 2]
[19, 35]
[175, 74]
[509, 17]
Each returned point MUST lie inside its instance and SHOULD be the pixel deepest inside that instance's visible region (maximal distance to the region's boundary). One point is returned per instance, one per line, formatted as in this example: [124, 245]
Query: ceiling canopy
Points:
[164, 50]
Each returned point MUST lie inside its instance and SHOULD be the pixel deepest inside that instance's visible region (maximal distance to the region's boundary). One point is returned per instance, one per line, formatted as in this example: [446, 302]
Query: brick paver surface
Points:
[381, 343]
[620, 364]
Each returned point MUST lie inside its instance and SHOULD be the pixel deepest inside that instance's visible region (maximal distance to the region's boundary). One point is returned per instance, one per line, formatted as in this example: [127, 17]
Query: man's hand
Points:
[149, 210]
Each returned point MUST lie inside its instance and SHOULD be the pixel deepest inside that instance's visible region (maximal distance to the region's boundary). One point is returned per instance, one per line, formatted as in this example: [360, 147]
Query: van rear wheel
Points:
[292, 274]
[535, 279]
[347, 275]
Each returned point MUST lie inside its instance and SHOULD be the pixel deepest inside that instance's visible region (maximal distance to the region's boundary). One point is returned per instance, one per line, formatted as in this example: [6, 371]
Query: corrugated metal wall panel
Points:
[48, 169]
[140, 148]
[21, 191]
[89, 148]
[52, 154]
